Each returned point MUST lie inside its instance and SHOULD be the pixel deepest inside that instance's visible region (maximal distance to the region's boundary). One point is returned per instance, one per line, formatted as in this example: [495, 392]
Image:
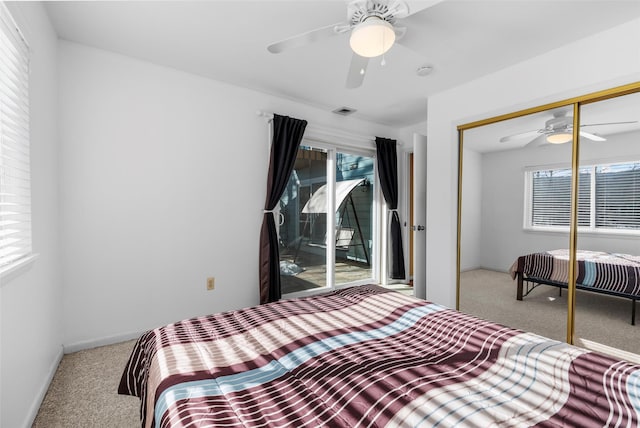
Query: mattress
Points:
[370, 357]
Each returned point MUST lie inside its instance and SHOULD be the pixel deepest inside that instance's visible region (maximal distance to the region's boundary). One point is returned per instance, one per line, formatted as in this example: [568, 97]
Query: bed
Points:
[368, 356]
[599, 272]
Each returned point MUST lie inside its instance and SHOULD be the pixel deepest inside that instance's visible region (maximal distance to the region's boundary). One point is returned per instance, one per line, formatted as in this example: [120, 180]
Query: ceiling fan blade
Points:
[400, 32]
[519, 136]
[592, 137]
[416, 6]
[398, 8]
[306, 38]
[540, 140]
[357, 70]
[609, 123]
[341, 28]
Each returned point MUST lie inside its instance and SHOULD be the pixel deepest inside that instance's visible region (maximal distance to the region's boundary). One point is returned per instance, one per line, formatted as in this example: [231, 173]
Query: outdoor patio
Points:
[314, 273]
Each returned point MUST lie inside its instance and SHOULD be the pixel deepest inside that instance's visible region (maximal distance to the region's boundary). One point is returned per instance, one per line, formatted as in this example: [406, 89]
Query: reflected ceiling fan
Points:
[373, 27]
[558, 130]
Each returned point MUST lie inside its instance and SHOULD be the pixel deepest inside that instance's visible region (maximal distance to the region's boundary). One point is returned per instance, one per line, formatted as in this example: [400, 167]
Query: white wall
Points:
[588, 65]
[471, 224]
[31, 299]
[503, 237]
[162, 185]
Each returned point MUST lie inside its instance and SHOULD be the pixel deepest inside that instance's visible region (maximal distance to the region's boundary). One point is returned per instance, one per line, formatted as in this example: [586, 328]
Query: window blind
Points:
[618, 196]
[15, 177]
[551, 198]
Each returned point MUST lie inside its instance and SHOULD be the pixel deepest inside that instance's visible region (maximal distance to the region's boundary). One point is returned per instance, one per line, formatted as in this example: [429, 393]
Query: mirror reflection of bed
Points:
[516, 201]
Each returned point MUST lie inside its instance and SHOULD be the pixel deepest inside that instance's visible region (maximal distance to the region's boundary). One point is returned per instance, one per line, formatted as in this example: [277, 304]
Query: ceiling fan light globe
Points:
[373, 37]
[559, 138]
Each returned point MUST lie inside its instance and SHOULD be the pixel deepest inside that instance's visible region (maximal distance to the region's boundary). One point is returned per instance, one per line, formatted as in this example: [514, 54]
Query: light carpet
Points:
[84, 391]
[599, 318]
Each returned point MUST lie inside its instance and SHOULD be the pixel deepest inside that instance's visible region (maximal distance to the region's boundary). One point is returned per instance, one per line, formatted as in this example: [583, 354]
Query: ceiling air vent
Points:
[345, 111]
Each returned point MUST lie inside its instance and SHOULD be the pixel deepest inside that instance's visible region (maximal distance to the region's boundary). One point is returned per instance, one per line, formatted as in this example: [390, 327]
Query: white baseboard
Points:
[483, 268]
[94, 343]
[37, 402]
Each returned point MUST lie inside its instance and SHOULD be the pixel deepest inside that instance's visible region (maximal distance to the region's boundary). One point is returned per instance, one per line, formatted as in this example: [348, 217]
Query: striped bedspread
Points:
[369, 357]
[617, 273]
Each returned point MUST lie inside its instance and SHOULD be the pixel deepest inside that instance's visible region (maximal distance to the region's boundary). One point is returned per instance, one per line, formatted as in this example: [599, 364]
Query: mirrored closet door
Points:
[549, 220]
[515, 203]
[608, 240]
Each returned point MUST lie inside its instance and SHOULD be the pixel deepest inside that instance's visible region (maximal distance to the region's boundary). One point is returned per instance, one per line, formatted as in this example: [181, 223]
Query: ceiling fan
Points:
[558, 130]
[372, 24]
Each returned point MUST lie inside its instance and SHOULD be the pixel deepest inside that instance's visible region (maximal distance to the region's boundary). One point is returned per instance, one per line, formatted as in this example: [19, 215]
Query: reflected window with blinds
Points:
[15, 175]
[608, 198]
[551, 198]
[617, 189]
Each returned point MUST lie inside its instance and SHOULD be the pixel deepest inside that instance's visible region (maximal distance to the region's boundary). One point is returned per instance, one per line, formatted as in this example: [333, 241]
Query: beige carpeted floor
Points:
[599, 318]
[83, 392]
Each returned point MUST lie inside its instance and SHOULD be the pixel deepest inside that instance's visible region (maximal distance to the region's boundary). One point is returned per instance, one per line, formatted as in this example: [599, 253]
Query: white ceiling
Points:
[227, 40]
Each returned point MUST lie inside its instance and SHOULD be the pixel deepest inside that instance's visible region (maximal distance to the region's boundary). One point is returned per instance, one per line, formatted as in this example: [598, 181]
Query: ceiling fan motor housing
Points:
[359, 11]
[557, 123]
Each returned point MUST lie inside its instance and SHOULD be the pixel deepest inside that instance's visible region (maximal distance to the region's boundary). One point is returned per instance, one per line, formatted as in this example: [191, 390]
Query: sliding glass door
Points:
[303, 223]
[355, 217]
[327, 221]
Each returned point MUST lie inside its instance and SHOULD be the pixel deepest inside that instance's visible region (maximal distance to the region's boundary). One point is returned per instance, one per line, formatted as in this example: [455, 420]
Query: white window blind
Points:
[618, 196]
[551, 198]
[608, 197]
[15, 177]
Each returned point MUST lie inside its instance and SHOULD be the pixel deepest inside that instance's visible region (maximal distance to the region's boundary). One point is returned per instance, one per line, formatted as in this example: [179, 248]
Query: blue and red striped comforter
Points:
[596, 270]
[366, 356]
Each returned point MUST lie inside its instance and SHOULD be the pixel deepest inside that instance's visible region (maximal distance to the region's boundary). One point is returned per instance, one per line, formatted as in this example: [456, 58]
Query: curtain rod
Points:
[318, 132]
[268, 116]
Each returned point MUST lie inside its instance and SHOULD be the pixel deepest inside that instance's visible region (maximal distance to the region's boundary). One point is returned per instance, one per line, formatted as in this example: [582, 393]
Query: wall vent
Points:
[344, 111]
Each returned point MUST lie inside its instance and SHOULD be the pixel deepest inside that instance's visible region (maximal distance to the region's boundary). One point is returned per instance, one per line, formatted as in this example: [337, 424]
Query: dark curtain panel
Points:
[287, 134]
[388, 175]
